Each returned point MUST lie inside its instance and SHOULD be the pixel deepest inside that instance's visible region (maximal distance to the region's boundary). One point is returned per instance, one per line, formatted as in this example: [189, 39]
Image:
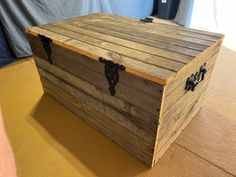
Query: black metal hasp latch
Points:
[46, 45]
[147, 20]
[196, 78]
[112, 73]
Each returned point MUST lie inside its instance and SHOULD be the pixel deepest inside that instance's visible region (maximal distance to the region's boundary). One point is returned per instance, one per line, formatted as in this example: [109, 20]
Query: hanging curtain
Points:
[184, 13]
[16, 15]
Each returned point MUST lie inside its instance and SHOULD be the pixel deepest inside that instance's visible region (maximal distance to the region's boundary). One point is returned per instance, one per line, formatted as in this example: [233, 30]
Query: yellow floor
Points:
[50, 141]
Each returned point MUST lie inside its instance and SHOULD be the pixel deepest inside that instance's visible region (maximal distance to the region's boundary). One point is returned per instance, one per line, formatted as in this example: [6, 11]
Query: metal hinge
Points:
[196, 78]
[147, 20]
[112, 73]
[46, 45]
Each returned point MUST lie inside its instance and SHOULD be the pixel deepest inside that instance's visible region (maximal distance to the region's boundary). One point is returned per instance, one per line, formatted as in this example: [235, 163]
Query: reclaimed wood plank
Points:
[111, 47]
[178, 113]
[177, 117]
[150, 72]
[150, 107]
[180, 89]
[75, 108]
[182, 105]
[101, 118]
[159, 152]
[144, 120]
[79, 28]
[130, 80]
[162, 27]
[114, 115]
[149, 103]
[141, 40]
[164, 38]
[182, 75]
[133, 20]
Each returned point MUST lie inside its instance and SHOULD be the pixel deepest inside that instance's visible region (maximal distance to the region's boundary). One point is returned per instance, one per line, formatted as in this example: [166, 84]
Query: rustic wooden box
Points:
[138, 83]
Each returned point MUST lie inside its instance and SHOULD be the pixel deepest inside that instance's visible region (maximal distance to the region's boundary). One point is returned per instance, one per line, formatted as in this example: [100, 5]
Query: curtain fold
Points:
[16, 15]
[184, 13]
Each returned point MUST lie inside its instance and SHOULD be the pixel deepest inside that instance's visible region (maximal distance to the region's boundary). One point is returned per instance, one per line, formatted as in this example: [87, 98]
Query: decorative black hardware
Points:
[147, 20]
[46, 45]
[196, 78]
[112, 73]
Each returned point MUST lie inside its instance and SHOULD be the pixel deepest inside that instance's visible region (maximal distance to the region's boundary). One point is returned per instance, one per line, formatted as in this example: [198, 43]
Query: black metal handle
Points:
[112, 73]
[196, 78]
[147, 20]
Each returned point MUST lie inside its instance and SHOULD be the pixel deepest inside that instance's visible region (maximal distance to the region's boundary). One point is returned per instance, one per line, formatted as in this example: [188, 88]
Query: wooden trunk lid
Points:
[153, 51]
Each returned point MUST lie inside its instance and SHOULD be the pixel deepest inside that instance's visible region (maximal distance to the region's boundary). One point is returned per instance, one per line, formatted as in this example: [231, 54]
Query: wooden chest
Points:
[139, 83]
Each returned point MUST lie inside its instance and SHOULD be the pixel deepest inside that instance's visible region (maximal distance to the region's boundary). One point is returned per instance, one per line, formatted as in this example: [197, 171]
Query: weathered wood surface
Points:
[184, 106]
[157, 53]
[151, 106]
[130, 88]
[148, 43]
[179, 90]
[163, 36]
[101, 33]
[134, 124]
[96, 120]
[195, 64]
[176, 29]
[133, 66]
[154, 60]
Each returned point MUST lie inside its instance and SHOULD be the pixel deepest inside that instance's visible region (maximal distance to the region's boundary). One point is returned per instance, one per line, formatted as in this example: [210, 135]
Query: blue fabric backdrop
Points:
[6, 56]
[16, 15]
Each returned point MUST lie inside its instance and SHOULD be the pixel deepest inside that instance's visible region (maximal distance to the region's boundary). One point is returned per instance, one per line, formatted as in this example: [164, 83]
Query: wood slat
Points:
[180, 89]
[175, 117]
[78, 34]
[138, 116]
[208, 36]
[150, 72]
[151, 106]
[74, 106]
[181, 105]
[179, 28]
[178, 113]
[79, 28]
[100, 117]
[93, 72]
[133, 82]
[149, 65]
[195, 44]
[136, 24]
[105, 109]
[174, 134]
[196, 63]
[141, 40]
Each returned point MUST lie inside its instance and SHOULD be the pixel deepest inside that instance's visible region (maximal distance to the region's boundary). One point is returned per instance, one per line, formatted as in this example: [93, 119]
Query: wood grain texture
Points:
[188, 31]
[175, 116]
[92, 118]
[205, 35]
[193, 65]
[139, 40]
[83, 36]
[137, 116]
[87, 30]
[163, 36]
[119, 117]
[151, 106]
[178, 91]
[112, 38]
[133, 66]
